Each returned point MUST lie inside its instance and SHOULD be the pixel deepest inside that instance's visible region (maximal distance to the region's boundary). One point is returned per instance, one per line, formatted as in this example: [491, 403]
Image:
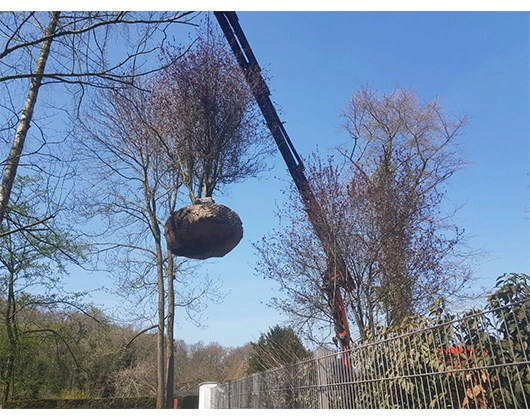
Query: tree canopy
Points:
[383, 198]
[278, 347]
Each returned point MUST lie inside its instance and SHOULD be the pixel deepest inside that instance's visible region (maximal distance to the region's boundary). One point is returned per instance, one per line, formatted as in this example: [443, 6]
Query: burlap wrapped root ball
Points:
[203, 231]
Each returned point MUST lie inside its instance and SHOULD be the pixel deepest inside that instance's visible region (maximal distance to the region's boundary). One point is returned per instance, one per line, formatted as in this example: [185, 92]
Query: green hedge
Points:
[188, 401]
[82, 403]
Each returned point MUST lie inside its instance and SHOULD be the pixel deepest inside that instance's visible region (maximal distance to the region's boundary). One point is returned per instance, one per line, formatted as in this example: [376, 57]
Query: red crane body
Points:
[336, 275]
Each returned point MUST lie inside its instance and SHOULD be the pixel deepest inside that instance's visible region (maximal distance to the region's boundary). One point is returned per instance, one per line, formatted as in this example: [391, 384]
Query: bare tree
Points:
[384, 203]
[74, 49]
[133, 188]
[194, 124]
[405, 151]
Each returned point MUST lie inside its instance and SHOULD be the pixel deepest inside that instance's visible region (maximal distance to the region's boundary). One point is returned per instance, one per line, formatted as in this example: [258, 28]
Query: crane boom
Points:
[337, 273]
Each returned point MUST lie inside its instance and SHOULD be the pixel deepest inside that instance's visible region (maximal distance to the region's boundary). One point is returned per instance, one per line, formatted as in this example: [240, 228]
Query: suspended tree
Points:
[213, 130]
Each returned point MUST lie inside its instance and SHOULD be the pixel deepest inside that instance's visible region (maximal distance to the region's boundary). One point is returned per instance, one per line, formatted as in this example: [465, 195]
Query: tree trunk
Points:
[11, 166]
[170, 349]
[12, 335]
[151, 207]
[160, 388]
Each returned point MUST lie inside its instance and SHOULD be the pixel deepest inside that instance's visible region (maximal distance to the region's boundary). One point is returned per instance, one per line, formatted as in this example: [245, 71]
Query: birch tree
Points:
[75, 49]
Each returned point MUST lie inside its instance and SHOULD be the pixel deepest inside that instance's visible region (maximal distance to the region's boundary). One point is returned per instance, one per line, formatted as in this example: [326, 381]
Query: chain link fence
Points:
[477, 360]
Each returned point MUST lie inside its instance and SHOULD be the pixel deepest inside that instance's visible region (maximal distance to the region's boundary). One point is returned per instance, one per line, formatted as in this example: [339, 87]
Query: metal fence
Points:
[478, 360]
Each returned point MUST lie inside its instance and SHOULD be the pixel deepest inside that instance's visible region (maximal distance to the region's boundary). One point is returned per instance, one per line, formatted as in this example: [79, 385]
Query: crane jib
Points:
[337, 273]
[247, 61]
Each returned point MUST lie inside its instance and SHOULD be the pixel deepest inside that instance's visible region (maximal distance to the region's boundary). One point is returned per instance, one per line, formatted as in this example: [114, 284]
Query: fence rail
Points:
[480, 360]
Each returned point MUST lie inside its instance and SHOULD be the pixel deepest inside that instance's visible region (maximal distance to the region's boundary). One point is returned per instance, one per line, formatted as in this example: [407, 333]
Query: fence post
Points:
[255, 390]
[322, 379]
[205, 395]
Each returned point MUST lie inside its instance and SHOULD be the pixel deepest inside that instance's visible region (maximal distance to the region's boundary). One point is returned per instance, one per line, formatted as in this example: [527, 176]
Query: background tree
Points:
[73, 353]
[405, 151]
[384, 199]
[200, 362]
[194, 363]
[32, 261]
[280, 346]
[139, 377]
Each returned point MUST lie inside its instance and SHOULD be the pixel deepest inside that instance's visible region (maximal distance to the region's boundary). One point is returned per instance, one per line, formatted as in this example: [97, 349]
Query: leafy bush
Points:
[478, 360]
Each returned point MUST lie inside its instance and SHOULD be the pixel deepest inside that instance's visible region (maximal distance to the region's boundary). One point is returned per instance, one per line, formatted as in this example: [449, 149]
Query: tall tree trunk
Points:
[160, 394]
[11, 166]
[170, 350]
[151, 207]
[161, 376]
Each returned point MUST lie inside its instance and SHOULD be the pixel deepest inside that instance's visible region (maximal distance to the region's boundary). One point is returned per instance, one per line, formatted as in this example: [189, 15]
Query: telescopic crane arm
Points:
[337, 273]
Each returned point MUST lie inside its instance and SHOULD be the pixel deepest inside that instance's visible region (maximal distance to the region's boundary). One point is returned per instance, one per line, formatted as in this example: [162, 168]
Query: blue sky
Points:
[477, 62]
